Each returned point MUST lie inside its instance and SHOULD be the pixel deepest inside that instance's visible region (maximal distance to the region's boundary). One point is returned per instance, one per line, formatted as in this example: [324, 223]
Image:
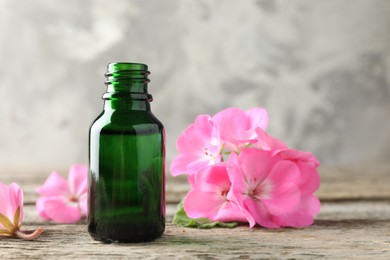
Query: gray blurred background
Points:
[321, 68]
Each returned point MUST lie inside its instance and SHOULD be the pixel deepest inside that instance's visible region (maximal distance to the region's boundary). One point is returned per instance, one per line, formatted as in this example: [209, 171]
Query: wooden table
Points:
[354, 223]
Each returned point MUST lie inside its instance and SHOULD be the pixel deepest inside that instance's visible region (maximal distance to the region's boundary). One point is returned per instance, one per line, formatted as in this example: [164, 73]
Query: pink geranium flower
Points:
[64, 201]
[199, 146]
[237, 128]
[208, 196]
[11, 213]
[238, 172]
[263, 185]
[309, 182]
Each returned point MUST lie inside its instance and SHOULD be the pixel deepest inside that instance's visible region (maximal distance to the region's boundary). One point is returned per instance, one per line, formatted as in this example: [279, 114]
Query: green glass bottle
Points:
[126, 193]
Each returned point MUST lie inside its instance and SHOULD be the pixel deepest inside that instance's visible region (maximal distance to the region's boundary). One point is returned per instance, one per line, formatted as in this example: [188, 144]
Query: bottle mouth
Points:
[121, 72]
[127, 80]
[126, 66]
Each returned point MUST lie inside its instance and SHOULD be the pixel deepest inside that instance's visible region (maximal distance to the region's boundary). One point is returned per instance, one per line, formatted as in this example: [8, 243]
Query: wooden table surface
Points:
[354, 223]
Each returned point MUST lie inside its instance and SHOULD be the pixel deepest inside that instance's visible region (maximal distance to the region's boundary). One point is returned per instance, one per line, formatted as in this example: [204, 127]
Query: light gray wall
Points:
[321, 68]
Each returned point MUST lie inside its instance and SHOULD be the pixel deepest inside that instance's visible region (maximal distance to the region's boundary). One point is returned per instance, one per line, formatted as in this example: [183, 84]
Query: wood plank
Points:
[355, 183]
[337, 183]
[341, 231]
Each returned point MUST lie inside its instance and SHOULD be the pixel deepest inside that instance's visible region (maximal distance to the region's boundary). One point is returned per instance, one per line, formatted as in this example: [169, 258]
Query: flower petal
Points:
[258, 117]
[5, 201]
[284, 193]
[83, 203]
[259, 213]
[303, 215]
[61, 211]
[199, 146]
[78, 179]
[256, 164]
[40, 207]
[16, 200]
[213, 179]
[55, 185]
[199, 204]
[267, 142]
[230, 212]
[310, 179]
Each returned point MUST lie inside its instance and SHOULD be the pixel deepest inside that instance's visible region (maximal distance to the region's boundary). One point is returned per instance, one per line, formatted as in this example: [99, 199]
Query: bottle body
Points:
[127, 173]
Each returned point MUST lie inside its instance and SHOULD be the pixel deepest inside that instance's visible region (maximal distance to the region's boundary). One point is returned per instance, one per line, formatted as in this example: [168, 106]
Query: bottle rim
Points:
[129, 66]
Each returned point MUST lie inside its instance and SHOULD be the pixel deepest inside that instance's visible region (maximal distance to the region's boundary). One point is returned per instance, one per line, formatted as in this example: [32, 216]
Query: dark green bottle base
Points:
[116, 233]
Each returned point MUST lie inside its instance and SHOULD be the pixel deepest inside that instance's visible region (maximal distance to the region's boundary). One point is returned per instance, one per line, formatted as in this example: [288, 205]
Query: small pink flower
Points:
[309, 182]
[199, 146]
[237, 128]
[64, 201]
[263, 185]
[208, 196]
[11, 213]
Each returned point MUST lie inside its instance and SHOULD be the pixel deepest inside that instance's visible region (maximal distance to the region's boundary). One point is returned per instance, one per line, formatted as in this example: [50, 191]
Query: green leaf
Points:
[181, 219]
[6, 222]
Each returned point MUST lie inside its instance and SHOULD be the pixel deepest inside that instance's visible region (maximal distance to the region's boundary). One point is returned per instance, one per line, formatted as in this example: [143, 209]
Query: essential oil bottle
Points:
[126, 193]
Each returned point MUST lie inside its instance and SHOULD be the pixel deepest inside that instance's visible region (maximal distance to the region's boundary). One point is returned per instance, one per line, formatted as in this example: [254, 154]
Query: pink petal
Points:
[11, 197]
[310, 179]
[196, 135]
[78, 179]
[190, 163]
[180, 164]
[237, 127]
[284, 193]
[199, 146]
[83, 203]
[256, 164]
[258, 117]
[195, 166]
[268, 142]
[55, 185]
[307, 163]
[284, 172]
[214, 179]
[230, 212]
[16, 200]
[207, 198]
[232, 125]
[199, 204]
[40, 207]
[296, 155]
[5, 207]
[62, 211]
[192, 180]
[303, 216]
[259, 213]
[236, 176]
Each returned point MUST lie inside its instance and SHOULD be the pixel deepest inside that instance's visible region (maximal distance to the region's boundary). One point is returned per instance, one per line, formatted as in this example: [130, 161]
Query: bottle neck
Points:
[127, 87]
[135, 105]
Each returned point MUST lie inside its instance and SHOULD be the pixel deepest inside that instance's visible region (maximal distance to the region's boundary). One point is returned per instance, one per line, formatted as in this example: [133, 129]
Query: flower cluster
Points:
[238, 172]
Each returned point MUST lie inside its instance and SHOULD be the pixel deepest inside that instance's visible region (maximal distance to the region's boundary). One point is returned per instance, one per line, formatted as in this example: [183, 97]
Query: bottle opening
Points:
[126, 66]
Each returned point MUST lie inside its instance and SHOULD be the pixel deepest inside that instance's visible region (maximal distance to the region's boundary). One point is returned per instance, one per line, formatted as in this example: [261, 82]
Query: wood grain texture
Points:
[336, 234]
[354, 222]
[337, 183]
